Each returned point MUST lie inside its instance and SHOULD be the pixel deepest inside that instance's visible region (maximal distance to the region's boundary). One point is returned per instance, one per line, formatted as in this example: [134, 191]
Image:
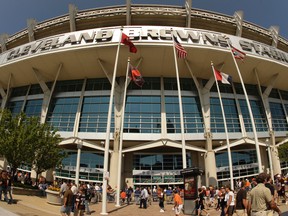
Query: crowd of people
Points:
[76, 200]
[256, 196]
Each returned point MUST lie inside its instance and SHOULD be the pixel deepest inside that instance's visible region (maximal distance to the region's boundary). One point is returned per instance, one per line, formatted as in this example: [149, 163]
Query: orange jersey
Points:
[178, 199]
[123, 195]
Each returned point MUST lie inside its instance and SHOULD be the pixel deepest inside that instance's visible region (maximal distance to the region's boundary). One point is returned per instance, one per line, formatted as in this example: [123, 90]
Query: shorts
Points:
[178, 209]
[66, 209]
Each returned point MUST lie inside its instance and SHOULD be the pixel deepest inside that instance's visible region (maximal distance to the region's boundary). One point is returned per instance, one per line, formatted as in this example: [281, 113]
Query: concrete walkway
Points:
[37, 206]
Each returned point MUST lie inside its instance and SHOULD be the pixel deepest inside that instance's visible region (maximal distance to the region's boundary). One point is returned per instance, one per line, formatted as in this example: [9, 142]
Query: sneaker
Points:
[161, 210]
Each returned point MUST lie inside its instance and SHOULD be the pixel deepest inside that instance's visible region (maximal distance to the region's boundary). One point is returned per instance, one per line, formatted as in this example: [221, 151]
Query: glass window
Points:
[244, 163]
[279, 121]
[15, 107]
[94, 114]
[35, 89]
[151, 83]
[98, 84]
[284, 94]
[258, 115]
[19, 91]
[62, 112]
[159, 161]
[33, 107]
[91, 166]
[192, 114]
[68, 86]
[142, 114]
[250, 89]
[274, 94]
[185, 84]
[231, 115]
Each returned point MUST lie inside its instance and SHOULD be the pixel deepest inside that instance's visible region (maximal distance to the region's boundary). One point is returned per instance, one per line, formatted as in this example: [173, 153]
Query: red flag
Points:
[238, 54]
[136, 76]
[224, 78]
[126, 40]
[181, 52]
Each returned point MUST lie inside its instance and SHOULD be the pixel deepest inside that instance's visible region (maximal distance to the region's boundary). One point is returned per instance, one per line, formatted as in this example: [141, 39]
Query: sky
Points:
[264, 13]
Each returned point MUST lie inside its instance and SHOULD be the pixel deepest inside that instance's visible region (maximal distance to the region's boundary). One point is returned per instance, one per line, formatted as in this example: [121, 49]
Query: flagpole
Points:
[226, 130]
[121, 134]
[180, 107]
[107, 140]
[250, 112]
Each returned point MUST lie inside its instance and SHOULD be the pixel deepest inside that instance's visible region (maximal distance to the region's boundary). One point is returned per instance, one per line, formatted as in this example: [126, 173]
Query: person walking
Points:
[80, 202]
[87, 198]
[269, 184]
[66, 208]
[129, 194]
[4, 185]
[200, 202]
[74, 190]
[260, 197]
[161, 199]
[9, 187]
[241, 201]
[229, 198]
[143, 198]
[178, 203]
[63, 188]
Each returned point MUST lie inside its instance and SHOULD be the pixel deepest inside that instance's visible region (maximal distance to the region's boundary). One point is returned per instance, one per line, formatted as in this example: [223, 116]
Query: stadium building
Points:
[71, 71]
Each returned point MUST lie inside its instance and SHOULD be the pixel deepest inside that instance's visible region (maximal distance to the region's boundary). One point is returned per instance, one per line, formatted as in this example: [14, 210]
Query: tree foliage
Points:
[283, 152]
[25, 140]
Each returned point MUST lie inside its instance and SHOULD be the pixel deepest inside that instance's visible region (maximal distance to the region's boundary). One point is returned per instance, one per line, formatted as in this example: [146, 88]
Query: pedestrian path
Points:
[4, 212]
[37, 206]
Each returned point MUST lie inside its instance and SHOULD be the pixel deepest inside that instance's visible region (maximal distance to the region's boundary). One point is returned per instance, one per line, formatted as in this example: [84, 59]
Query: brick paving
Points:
[37, 206]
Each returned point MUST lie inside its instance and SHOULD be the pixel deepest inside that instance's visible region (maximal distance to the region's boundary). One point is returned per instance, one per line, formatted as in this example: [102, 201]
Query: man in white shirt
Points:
[143, 198]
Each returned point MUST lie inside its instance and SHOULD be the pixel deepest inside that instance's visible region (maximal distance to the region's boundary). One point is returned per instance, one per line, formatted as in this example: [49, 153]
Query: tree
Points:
[16, 140]
[48, 153]
[283, 152]
[25, 140]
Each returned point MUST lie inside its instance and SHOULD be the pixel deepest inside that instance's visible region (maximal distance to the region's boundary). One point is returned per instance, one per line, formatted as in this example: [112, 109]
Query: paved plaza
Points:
[37, 206]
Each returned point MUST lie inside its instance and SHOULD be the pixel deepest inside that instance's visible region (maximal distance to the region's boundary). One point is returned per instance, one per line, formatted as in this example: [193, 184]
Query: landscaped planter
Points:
[27, 191]
[53, 197]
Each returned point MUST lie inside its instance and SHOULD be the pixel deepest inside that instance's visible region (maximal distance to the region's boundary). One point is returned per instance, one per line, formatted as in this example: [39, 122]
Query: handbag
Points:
[63, 208]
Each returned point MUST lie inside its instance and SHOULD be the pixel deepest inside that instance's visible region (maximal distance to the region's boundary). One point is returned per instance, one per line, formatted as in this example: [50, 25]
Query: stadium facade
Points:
[64, 69]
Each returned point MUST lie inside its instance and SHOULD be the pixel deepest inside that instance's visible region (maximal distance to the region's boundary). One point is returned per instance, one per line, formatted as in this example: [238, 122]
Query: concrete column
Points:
[210, 162]
[118, 102]
[238, 15]
[113, 169]
[78, 113]
[128, 12]
[274, 30]
[274, 155]
[72, 17]
[5, 95]
[188, 7]
[31, 23]
[241, 120]
[3, 40]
